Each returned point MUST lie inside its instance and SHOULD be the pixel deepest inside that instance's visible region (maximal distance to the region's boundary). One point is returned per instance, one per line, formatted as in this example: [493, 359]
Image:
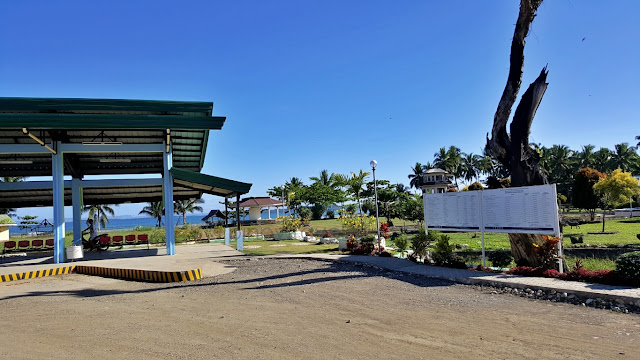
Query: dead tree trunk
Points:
[513, 149]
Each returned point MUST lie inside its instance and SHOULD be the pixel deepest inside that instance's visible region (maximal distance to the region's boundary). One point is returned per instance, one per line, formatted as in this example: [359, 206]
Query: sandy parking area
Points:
[298, 309]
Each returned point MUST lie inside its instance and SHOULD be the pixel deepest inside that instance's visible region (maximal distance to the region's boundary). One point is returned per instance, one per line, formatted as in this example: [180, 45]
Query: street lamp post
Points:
[373, 164]
[282, 187]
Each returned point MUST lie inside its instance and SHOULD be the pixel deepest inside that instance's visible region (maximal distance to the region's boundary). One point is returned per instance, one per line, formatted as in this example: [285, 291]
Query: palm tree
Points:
[182, 207]
[449, 160]
[325, 178]
[355, 184]
[470, 166]
[418, 169]
[99, 214]
[602, 160]
[624, 157]
[155, 210]
[585, 158]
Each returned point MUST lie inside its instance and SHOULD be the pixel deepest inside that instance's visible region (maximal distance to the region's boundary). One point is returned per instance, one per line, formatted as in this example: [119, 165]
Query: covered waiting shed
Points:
[79, 137]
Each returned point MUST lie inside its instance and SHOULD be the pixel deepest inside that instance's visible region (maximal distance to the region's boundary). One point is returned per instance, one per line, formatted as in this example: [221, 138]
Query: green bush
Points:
[401, 243]
[304, 213]
[368, 243]
[628, 267]
[420, 243]
[331, 214]
[444, 255]
[500, 259]
[317, 210]
[157, 236]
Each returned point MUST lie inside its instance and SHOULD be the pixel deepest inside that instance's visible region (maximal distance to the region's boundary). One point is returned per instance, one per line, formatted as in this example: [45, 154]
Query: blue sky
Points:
[312, 85]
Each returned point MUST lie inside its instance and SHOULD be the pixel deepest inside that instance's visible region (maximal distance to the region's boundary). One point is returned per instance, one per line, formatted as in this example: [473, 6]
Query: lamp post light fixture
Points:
[373, 164]
[282, 187]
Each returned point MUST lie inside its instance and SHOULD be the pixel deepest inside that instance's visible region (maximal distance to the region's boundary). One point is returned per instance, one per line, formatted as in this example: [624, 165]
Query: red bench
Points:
[117, 240]
[49, 243]
[24, 245]
[37, 244]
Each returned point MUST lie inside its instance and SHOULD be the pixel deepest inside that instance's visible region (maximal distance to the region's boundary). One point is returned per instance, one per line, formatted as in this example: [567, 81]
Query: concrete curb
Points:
[116, 273]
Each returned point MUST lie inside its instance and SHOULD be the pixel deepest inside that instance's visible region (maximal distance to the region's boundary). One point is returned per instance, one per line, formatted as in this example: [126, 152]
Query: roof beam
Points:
[46, 185]
[23, 149]
[115, 148]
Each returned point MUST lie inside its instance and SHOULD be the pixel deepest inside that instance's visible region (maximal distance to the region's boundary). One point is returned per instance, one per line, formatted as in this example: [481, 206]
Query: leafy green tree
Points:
[99, 214]
[155, 210]
[584, 196]
[182, 207]
[27, 222]
[615, 189]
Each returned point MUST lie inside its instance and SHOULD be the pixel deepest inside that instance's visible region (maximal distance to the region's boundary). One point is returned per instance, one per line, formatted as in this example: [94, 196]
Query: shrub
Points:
[444, 255]
[628, 267]
[580, 274]
[305, 213]
[384, 230]
[367, 244]
[547, 251]
[327, 234]
[351, 209]
[420, 243]
[385, 253]
[500, 259]
[331, 214]
[290, 224]
[352, 243]
[317, 210]
[402, 243]
[157, 236]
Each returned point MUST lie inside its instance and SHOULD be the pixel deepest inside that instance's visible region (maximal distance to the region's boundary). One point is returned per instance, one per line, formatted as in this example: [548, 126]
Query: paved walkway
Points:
[629, 295]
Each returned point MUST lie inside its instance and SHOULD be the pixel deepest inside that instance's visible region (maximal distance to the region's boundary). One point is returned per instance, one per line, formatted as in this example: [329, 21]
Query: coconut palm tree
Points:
[585, 158]
[449, 160]
[624, 157]
[355, 185]
[470, 166]
[182, 207]
[418, 169]
[99, 214]
[155, 210]
[602, 160]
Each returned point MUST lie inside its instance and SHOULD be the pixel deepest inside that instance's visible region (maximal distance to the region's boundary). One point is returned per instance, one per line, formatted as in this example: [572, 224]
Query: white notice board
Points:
[528, 210]
[454, 211]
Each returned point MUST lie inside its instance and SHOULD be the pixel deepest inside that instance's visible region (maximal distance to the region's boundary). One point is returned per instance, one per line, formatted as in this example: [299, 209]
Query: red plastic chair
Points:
[9, 246]
[24, 245]
[130, 239]
[143, 239]
[49, 243]
[117, 240]
[105, 239]
[37, 244]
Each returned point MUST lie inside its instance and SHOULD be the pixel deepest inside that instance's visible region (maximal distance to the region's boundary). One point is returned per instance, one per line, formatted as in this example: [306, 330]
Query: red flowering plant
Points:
[384, 230]
[547, 251]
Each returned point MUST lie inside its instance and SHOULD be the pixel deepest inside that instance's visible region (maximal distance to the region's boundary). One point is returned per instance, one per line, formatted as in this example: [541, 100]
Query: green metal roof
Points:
[209, 184]
[187, 185]
[127, 121]
[6, 220]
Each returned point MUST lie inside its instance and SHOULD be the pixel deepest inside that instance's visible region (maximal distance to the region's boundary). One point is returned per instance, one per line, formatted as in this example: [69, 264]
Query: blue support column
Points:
[58, 206]
[76, 197]
[168, 201]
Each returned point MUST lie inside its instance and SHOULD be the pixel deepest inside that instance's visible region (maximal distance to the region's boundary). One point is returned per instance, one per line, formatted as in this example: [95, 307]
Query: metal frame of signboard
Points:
[555, 230]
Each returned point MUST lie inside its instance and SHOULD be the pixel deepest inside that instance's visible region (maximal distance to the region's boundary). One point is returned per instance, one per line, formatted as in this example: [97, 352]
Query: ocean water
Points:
[127, 222]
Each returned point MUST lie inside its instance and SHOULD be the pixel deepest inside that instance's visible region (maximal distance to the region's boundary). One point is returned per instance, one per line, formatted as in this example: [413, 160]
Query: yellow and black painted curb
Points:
[141, 275]
[129, 274]
[37, 274]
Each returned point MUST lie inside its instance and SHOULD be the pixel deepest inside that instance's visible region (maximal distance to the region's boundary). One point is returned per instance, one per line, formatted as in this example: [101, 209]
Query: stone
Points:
[589, 301]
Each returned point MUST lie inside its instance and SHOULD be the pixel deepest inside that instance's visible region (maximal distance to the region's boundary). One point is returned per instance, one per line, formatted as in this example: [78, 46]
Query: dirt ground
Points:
[298, 309]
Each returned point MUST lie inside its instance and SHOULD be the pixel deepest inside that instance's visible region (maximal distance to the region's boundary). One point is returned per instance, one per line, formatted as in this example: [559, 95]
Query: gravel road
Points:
[299, 309]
